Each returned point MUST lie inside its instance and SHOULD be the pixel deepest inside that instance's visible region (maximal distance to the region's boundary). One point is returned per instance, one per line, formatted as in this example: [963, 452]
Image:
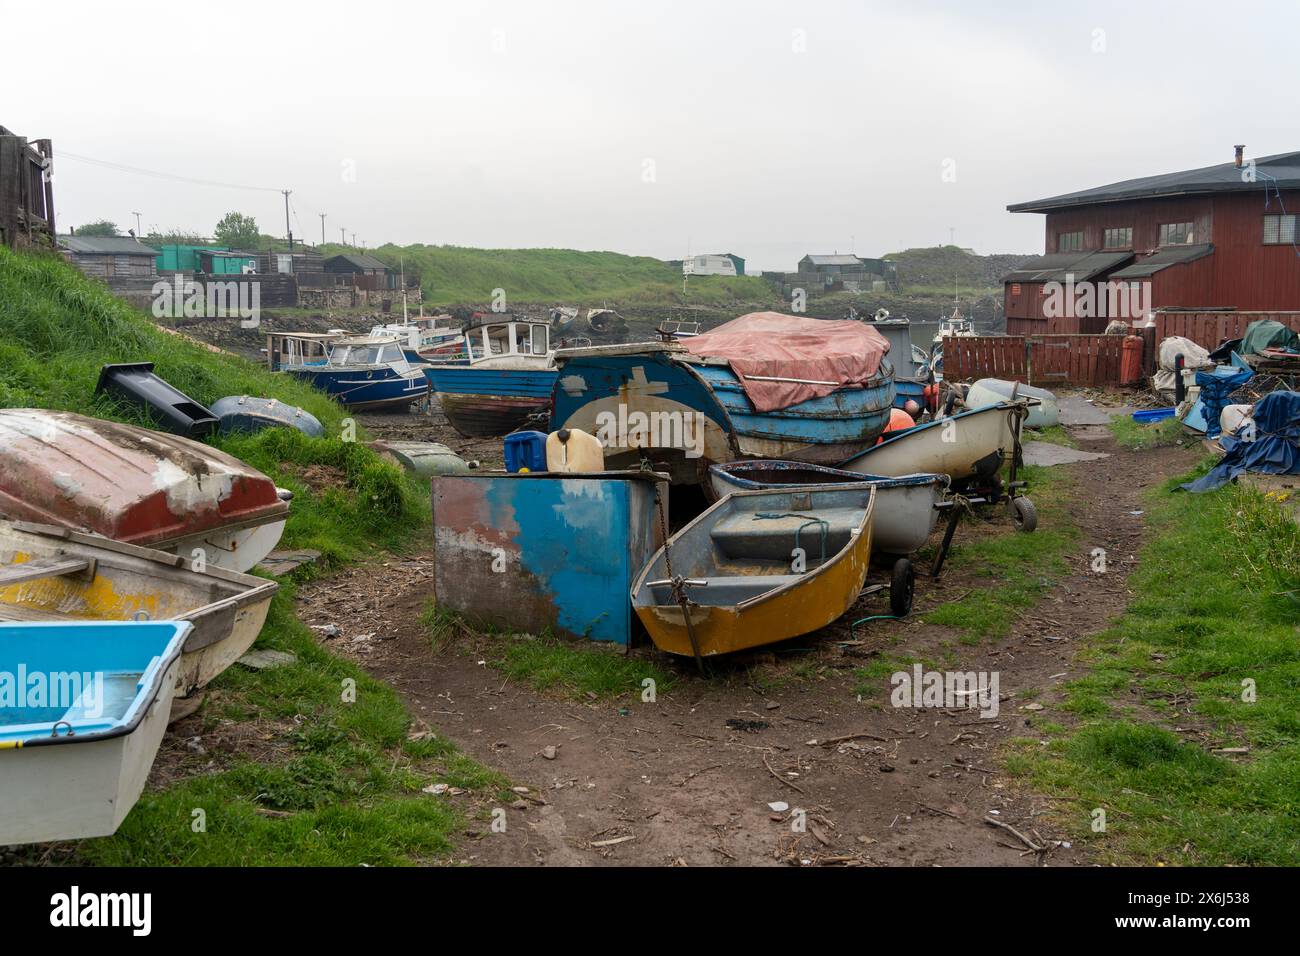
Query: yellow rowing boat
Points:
[756, 568]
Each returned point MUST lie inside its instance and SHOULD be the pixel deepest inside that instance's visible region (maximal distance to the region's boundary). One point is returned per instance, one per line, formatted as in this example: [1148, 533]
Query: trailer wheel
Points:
[901, 585]
[1024, 514]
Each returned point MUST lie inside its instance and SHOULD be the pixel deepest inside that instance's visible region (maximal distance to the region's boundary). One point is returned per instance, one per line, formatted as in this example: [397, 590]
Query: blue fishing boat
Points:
[683, 412]
[81, 725]
[508, 377]
[366, 372]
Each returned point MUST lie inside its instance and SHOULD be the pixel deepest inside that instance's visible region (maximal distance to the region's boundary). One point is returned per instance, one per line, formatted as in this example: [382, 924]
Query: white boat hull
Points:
[965, 446]
[72, 791]
[1043, 411]
[237, 550]
[905, 515]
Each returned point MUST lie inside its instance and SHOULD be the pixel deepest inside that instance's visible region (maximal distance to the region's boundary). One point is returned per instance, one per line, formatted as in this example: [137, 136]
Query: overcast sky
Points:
[768, 129]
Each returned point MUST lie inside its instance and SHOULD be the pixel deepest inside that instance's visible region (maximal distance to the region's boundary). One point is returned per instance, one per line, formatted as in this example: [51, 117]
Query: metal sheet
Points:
[541, 552]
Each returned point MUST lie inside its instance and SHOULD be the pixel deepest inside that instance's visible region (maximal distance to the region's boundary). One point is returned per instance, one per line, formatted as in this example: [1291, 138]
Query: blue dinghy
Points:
[83, 707]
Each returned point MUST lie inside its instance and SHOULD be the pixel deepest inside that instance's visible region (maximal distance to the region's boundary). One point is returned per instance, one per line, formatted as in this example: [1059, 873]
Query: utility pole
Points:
[288, 230]
[354, 239]
[137, 224]
[343, 237]
[322, 229]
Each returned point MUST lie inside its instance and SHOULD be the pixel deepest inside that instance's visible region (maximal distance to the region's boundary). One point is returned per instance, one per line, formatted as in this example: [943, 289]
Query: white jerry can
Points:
[574, 451]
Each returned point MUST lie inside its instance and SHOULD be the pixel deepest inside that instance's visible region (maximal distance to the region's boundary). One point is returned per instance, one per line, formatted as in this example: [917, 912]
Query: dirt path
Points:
[670, 783]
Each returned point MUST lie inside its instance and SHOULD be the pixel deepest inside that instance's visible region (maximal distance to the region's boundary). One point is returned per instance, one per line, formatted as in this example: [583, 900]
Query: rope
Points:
[808, 520]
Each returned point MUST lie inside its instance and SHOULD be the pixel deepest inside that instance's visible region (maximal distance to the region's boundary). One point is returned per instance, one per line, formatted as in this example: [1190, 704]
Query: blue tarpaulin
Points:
[1275, 449]
[1216, 385]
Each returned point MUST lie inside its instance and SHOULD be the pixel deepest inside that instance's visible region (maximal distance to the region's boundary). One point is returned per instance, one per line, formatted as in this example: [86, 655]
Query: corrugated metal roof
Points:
[359, 261]
[834, 260]
[1169, 256]
[106, 245]
[1083, 266]
[1281, 170]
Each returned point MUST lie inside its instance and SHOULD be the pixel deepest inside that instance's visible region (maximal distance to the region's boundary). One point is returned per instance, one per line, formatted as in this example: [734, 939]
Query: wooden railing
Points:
[1209, 329]
[1045, 360]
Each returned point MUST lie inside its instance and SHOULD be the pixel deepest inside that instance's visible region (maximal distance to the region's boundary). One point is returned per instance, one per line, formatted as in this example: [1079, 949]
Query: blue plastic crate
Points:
[526, 450]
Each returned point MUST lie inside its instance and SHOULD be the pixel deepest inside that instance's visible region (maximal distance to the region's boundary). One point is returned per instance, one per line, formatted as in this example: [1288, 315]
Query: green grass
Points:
[1135, 437]
[578, 670]
[454, 275]
[337, 784]
[328, 781]
[1015, 570]
[57, 328]
[1214, 607]
[1056, 435]
[873, 679]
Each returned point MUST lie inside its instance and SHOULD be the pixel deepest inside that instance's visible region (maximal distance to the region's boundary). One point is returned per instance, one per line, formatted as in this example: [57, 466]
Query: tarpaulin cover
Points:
[1216, 385]
[842, 352]
[1274, 450]
[1194, 357]
[1268, 334]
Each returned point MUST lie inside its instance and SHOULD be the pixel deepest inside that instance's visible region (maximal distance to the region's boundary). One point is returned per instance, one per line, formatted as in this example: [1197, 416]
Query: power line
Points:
[121, 167]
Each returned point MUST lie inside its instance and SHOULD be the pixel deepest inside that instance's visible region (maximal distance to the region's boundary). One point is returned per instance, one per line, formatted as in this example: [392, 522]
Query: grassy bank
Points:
[1188, 720]
[289, 767]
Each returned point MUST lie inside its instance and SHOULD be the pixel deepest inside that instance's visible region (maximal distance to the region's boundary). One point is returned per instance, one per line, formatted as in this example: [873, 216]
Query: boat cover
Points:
[1275, 450]
[843, 352]
[126, 483]
[1268, 334]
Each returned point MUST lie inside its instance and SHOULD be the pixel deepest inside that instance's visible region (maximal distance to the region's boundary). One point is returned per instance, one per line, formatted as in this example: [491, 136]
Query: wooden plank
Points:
[42, 568]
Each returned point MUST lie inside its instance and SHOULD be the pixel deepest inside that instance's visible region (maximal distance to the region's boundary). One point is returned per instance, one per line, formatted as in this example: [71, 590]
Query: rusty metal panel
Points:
[537, 552]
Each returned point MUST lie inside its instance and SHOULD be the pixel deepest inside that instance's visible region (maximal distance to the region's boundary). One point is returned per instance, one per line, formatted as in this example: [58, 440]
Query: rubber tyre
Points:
[902, 583]
[1024, 514]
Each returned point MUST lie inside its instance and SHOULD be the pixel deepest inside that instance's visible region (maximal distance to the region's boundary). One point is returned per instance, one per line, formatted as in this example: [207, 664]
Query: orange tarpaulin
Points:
[768, 344]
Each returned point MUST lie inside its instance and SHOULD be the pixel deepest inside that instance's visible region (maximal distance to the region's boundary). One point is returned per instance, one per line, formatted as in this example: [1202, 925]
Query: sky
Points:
[764, 128]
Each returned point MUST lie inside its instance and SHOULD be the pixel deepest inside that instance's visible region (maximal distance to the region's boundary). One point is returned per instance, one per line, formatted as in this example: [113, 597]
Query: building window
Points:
[1069, 242]
[1119, 237]
[1280, 230]
[1015, 288]
[1176, 233]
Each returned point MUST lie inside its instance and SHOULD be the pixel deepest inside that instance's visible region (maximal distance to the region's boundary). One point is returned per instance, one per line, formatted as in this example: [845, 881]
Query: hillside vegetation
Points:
[453, 275]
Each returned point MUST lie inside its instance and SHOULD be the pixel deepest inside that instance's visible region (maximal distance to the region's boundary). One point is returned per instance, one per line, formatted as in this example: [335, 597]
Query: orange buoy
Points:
[898, 421]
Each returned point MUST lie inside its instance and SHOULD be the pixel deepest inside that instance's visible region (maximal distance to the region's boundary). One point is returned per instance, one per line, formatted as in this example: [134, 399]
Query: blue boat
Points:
[682, 412]
[508, 377]
[80, 722]
[366, 372]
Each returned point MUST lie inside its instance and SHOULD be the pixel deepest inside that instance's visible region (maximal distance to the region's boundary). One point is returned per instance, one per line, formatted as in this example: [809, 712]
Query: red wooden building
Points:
[1218, 238]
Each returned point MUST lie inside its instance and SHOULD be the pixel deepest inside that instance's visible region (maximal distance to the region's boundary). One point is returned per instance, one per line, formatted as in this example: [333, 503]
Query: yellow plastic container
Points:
[573, 451]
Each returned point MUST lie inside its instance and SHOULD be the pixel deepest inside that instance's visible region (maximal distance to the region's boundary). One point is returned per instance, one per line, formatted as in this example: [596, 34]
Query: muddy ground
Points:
[671, 783]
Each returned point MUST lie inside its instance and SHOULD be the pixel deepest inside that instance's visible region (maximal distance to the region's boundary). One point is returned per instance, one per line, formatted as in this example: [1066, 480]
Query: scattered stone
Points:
[1033, 706]
[549, 752]
[327, 630]
[264, 660]
[778, 806]
[772, 705]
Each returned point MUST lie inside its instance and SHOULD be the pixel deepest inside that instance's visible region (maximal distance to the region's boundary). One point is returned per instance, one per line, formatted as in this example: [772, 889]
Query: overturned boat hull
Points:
[136, 485]
[742, 580]
[906, 507]
[683, 414]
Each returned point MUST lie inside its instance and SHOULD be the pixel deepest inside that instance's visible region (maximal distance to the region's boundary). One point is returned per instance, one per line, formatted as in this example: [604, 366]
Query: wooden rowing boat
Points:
[758, 567]
[52, 574]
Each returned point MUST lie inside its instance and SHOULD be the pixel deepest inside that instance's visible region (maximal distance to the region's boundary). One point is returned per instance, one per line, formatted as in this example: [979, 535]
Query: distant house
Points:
[1218, 237]
[108, 257]
[846, 272]
[26, 192]
[714, 264]
[360, 264]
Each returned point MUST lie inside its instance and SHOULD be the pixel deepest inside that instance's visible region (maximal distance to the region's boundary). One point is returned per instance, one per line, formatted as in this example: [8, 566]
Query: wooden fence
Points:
[1208, 329]
[1046, 360]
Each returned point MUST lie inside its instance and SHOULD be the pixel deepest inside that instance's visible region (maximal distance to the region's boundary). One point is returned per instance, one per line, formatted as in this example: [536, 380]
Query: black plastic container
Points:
[175, 411]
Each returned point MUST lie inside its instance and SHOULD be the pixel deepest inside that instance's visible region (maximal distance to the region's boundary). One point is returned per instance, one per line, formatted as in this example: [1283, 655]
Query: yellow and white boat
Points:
[758, 567]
